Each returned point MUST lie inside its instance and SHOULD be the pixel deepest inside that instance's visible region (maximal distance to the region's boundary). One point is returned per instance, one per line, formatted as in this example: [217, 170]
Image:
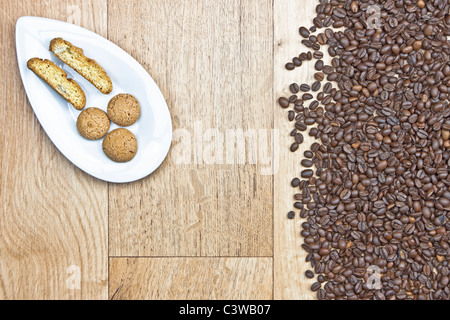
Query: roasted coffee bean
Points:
[291, 115]
[284, 102]
[294, 147]
[304, 32]
[308, 154]
[317, 55]
[294, 88]
[319, 76]
[307, 173]
[297, 62]
[316, 286]
[319, 65]
[290, 66]
[322, 38]
[295, 183]
[305, 87]
[291, 215]
[307, 96]
[316, 86]
[307, 163]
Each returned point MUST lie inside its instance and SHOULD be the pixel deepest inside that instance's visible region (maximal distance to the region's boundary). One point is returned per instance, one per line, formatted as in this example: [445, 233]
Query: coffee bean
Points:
[322, 38]
[307, 173]
[307, 96]
[291, 215]
[308, 154]
[291, 115]
[309, 274]
[316, 286]
[297, 62]
[295, 183]
[294, 147]
[305, 87]
[428, 30]
[307, 163]
[316, 86]
[294, 88]
[284, 103]
[317, 55]
[290, 66]
[319, 76]
[319, 65]
[304, 32]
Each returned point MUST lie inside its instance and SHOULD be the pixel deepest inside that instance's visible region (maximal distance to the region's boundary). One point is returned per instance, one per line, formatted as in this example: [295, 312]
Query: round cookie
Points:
[120, 145]
[93, 124]
[124, 110]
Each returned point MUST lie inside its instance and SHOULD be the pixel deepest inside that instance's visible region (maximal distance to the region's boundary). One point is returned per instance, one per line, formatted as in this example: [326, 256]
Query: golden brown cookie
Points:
[93, 124]
[120, 145]
[124, 110]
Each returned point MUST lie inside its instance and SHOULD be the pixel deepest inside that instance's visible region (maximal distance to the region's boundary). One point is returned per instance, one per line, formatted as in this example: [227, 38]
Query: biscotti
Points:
[74, 57]
[56, 78]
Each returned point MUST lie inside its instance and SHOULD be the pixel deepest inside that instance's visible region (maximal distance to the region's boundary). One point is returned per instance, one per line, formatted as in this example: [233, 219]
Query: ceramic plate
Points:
[58, 118]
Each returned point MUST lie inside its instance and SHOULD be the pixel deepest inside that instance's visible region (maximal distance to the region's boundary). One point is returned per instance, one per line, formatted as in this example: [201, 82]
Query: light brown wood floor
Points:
[207, 229]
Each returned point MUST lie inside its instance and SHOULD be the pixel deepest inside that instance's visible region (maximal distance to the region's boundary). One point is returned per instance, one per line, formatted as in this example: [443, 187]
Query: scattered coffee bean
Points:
[317, 55]
[307, 96]
[294, 147]
[319, 76]
[291, 215]
[284, 102]
[305, 87]
[295, 183]
[304, 32]
[319, 65]
[307, 173]
[294, 88]
[316, 86]
[297, 62]
[291, 115]
[290, 66]
[307, 163]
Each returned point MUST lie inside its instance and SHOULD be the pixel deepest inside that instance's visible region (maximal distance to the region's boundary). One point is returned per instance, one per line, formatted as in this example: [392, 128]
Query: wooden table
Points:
[211, 222]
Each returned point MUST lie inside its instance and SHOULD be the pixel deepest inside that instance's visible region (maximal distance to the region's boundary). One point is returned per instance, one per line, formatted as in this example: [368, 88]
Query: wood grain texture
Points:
[52, 215]
[290, 282]
[191, 279]
[213, 62]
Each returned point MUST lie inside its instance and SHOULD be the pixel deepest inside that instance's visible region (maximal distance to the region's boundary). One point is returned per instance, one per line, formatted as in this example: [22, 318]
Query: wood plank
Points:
[191, 279]
[213, 62]
[289, 257]
[53, 217]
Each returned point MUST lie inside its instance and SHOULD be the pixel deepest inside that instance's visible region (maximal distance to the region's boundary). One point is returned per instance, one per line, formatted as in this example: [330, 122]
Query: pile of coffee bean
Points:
[375, 186]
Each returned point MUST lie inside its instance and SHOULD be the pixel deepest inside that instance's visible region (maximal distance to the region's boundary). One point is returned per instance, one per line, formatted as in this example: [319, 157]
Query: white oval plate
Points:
[58, 118]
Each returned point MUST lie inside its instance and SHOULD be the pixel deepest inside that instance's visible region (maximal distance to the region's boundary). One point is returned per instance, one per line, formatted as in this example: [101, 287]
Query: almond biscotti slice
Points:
[88, 68]
[56, 78]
